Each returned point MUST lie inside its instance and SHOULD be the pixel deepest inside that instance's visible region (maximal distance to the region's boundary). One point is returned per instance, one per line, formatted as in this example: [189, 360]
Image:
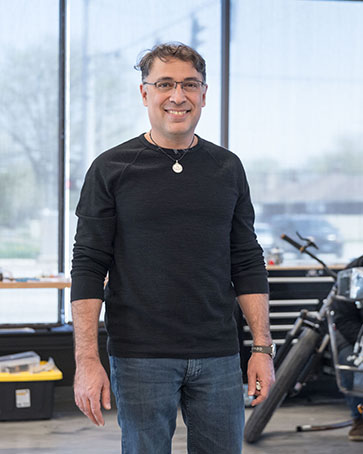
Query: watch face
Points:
[273, 351]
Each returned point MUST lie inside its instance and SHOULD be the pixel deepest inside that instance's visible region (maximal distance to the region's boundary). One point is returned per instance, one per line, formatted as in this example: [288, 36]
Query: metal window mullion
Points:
[225, 70]
[63, 145]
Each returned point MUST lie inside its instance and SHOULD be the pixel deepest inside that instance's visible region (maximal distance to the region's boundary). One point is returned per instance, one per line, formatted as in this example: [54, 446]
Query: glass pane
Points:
[28, 150]
[106, 39]
[297, 120]
[28, 306]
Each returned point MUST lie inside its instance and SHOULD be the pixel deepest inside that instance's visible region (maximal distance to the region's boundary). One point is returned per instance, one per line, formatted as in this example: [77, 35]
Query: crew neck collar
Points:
[154, 147]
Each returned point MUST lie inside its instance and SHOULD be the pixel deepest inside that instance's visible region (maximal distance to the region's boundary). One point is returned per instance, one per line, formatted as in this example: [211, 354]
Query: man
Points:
[348, 319]
[168, 216]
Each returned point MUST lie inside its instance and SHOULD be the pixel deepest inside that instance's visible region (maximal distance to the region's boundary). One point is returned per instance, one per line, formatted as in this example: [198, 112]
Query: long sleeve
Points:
[93, 247]
[247, 263]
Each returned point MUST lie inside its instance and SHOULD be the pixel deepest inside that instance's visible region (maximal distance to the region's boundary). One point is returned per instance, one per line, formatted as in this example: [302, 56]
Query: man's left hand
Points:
[261, 376]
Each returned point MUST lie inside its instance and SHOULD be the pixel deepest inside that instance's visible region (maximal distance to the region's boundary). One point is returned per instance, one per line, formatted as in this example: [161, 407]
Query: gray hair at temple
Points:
[171, 50]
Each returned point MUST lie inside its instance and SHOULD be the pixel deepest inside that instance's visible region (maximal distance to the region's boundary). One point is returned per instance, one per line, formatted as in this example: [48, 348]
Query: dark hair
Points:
[170, 50]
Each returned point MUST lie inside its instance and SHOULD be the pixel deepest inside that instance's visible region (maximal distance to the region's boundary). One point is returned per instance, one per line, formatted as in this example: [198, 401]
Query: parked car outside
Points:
[319, 230]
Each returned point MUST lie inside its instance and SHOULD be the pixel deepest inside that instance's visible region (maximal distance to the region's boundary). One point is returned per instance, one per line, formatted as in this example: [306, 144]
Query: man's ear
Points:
[143, 91]
[204, 95]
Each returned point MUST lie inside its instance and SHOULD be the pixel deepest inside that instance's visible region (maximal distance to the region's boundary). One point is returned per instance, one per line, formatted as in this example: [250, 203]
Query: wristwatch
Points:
[268, 349]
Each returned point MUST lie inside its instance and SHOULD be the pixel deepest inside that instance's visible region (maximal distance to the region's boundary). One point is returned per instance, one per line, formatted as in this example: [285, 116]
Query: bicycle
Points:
[312, 333]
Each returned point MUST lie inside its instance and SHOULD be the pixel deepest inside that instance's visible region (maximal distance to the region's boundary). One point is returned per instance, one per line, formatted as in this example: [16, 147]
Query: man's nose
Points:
[177, 95]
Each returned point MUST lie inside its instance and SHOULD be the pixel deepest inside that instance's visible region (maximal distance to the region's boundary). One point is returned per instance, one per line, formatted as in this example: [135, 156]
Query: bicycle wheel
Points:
[286, 377]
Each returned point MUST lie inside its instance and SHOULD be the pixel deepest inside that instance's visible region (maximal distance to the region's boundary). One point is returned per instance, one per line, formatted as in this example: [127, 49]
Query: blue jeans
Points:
[148, 392]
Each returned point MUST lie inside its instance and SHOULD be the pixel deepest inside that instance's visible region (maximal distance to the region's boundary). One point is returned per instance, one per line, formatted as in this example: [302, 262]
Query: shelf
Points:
[41, 283]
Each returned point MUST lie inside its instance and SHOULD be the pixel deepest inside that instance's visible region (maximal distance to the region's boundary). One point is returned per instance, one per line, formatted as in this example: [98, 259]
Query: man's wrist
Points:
[86, 359]
[266, 349]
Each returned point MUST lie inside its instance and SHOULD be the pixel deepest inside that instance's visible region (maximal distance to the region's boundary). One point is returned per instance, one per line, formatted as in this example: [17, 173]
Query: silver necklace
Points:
[177, 167]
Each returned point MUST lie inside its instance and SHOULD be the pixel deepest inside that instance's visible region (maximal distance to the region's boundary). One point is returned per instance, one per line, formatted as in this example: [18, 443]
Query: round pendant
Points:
[178, 168]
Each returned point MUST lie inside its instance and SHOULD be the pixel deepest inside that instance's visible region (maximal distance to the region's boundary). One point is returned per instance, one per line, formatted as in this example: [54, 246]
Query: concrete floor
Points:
[69, 432]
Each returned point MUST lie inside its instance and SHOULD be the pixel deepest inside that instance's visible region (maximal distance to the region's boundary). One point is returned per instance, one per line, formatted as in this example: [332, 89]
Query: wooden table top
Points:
[57, 283]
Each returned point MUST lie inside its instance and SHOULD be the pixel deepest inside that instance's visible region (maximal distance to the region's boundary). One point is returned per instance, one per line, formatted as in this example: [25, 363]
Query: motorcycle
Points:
[306, 342]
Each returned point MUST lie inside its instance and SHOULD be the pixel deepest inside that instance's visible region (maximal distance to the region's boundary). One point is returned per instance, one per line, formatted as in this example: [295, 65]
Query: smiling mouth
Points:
[177, 112]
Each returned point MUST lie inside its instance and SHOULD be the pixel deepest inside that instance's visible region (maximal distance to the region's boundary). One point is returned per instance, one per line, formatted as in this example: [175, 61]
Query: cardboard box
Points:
[26, 396]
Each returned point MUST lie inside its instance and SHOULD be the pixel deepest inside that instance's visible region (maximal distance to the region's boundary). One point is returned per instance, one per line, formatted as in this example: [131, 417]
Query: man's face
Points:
[175, 114]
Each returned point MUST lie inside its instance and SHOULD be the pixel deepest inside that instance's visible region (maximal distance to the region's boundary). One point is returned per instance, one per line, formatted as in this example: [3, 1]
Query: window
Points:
[296, 96]
[28, 155]
[296, 120]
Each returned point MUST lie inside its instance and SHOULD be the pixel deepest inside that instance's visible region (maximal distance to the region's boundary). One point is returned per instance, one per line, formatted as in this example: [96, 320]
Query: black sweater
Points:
[178, 248]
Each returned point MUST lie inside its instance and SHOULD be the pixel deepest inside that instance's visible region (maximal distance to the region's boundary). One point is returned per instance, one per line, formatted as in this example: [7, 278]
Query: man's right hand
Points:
[91, 388]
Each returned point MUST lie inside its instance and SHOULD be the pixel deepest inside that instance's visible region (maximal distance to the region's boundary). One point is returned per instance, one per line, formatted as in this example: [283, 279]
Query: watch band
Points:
[268, 349]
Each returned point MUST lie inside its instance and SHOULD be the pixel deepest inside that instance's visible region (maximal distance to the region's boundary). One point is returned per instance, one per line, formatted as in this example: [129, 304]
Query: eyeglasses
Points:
[189, 86]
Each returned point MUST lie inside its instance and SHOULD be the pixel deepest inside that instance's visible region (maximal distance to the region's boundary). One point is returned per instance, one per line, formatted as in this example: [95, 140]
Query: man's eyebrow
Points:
[170, 78]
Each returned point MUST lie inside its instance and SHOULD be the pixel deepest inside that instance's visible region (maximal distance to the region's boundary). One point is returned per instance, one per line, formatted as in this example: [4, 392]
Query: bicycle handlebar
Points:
[293, 242]
[303, 249]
